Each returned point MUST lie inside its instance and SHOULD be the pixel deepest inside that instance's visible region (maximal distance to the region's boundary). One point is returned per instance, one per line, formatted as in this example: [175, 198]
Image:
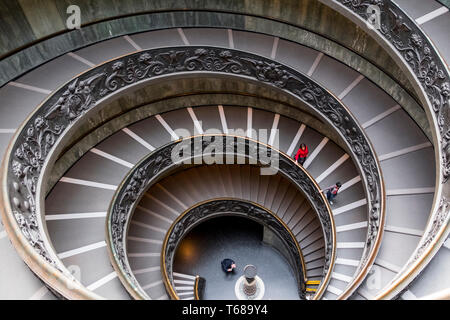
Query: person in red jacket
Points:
[302, 153]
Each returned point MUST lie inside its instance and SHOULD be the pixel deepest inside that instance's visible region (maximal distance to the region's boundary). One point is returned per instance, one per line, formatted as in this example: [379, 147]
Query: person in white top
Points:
[332, 191]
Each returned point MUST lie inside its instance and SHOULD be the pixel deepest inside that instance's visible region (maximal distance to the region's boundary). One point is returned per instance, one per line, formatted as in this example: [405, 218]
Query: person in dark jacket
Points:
[302, 153]
[332, 191]
[228, 265]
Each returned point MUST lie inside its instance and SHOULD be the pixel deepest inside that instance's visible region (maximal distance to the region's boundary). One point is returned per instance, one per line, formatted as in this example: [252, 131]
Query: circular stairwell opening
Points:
[173, 235]
[245, 241]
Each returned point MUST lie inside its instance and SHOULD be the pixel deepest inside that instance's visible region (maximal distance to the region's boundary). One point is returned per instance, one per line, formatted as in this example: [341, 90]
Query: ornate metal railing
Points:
[415, 52]
[220, 207]
[195, 150]
[34, 147]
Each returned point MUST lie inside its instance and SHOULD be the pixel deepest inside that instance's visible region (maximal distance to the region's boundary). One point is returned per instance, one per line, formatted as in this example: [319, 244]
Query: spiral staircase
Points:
[387, 233]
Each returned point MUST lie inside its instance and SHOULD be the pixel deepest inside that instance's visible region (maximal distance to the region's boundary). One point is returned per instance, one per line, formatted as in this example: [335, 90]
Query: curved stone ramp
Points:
[369, 104]
[184, 285]
[433, 279]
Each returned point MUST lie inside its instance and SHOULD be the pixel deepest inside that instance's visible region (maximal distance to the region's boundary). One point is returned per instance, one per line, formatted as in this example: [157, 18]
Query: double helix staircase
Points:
[76, 207]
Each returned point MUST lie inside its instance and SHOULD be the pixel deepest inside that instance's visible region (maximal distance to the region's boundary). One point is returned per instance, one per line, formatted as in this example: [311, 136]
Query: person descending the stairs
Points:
[302, 153]
[332, 191]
